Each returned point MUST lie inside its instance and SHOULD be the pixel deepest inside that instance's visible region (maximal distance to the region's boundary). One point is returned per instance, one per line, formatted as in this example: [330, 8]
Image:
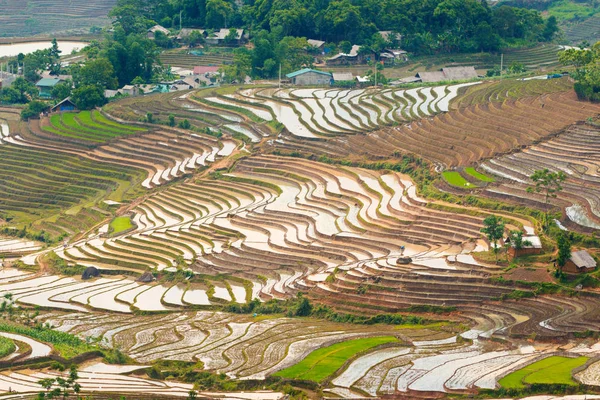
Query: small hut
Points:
[65, 105]
[580, 261]
[146, 277]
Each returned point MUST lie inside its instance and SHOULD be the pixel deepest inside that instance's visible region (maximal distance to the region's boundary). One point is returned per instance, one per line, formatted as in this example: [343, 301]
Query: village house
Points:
[447, 74]
[316, 44]
[580, 261]
[219, 37]
[343, 77]
[45, 86]
[186, 32]
[308, 77]
[354, 57]
[157, 28]
[64, 106]
[531, 245]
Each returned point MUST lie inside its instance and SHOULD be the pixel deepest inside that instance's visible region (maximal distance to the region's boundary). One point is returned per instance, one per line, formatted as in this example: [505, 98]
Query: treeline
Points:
[427, 26]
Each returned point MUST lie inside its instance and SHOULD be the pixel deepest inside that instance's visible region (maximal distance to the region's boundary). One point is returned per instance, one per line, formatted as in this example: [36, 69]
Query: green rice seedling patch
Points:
[120, 224]
[322, 363]
[551, 370]
[456, 179]
[478, 175]
[7, 346]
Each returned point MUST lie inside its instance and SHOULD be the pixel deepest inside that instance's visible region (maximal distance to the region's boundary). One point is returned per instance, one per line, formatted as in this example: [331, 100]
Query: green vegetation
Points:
[551, 370]
[456, 179]
[65, 344]
[7, 346]
[566, 10]
[478, 175]
[88, 126]
[322, 363]
[120, 224]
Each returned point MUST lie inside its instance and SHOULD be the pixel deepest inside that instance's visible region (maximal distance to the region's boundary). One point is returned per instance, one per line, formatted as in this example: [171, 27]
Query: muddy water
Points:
[11, 50]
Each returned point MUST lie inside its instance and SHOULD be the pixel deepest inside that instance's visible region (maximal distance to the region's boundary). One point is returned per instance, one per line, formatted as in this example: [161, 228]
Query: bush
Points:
[33, 110]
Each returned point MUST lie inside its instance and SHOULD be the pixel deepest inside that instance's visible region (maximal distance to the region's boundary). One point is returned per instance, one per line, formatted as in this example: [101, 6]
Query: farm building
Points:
[317, 44]
[351, 58]
[157, 28]
[391, 36]
[186, 32]
[580, 261]
[343, 76]
[446, 74]
[531, 245]
[309, 76]
[45, 86]
[65, 105]
[218, 37]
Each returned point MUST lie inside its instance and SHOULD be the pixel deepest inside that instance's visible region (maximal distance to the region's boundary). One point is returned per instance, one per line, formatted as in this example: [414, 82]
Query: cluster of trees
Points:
[426, 25]
[587, 71]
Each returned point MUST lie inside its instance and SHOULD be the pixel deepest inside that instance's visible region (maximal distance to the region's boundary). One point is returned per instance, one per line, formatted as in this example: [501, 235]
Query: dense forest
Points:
[426, 25]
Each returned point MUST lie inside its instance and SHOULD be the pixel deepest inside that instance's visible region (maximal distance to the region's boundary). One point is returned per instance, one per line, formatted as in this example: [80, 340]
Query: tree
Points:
[20, 92]
[550, 29]
[62, 90]
[304, 308]
[99, 73]
[33, 109]
[171, 120]
[548, 183]
[564, 250]
[60, 387]
[217, 12]
[494, 231]
[88, 97]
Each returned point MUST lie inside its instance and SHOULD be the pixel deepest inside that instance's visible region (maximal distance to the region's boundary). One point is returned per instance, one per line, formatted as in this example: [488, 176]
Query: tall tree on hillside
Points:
[217, 13]
[98, 72]
[549, 184]
[493, 228]
[564, 250]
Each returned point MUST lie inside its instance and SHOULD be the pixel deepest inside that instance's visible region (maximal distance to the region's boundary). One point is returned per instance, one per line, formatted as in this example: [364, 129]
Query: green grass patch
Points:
[456, 179]
[551, 370]
[565, 10]
[322, 363]
[65, 344]
[120, 224]
[7, 346]
[478, 175]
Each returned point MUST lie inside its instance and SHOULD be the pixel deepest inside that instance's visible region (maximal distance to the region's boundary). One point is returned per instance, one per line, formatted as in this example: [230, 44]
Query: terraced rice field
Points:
[459, 137]
[212, 204]
[551, 370]
[588, 30]
[576, 152]
[314, 113]
[88, 126]
[32, 17]
[184, 59]
[234, 225]
[322, 363]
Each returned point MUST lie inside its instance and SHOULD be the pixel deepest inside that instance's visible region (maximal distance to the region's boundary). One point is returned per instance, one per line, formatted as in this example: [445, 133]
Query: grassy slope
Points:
[324, 362]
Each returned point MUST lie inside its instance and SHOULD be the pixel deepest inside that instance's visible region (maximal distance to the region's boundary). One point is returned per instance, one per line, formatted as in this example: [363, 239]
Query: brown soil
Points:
[530, 275]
